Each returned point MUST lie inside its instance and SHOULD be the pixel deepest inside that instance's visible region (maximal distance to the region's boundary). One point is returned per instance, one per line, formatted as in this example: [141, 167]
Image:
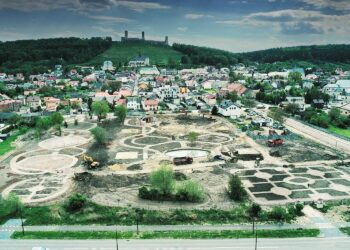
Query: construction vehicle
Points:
[274, 142]
[182, 160]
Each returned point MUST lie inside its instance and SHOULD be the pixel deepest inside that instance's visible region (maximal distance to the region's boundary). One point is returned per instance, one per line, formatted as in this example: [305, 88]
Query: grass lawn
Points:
[225, 234]
[5, 146]
[340, 131]
[124, 52]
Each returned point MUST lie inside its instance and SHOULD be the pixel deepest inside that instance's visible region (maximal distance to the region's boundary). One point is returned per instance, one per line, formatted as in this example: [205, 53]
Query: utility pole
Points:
[21, 215]
[116, 237]
[256, 238]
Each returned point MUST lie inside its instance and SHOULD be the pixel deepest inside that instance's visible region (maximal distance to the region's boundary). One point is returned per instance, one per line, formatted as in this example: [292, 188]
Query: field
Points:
[123, 52]
[340, 131]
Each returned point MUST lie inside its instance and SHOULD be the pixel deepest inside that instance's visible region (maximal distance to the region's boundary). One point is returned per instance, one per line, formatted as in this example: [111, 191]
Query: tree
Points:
[254, 211]
[10, 206]
[100, 108]
[214, 110]
[295, 77]
[162, 180]
[120, 112]
[185, 59]
[15, 120]
[236, 190]
[233, 96]
[292, 108]
[56, 118]
[277, 115]
[192, 137]
[100, 135]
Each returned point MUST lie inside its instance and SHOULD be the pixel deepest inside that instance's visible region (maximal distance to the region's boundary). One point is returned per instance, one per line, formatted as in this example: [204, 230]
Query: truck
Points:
[274, 142]
[182, 160]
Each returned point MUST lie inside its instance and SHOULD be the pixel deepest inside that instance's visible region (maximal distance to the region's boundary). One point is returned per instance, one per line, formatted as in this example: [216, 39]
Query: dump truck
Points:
[275, 142]
[182, 160]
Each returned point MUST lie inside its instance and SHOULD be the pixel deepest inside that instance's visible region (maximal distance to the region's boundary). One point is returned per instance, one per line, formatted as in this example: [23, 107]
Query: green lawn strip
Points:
[345, 230]
[5, 146]
[225, 234]
[340, 131]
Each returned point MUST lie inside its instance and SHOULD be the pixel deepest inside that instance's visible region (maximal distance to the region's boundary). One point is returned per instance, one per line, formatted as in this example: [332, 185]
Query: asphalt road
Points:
[239, 244]
[318, 135]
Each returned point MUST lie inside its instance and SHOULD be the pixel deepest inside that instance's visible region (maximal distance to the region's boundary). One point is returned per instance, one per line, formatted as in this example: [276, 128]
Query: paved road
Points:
[238, 244]
[317, 135]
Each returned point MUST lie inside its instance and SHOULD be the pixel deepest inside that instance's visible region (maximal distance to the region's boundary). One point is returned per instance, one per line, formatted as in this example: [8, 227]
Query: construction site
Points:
[275, 165]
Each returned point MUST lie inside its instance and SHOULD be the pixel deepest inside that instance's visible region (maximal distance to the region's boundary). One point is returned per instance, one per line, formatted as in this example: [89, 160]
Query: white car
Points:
[40, 248]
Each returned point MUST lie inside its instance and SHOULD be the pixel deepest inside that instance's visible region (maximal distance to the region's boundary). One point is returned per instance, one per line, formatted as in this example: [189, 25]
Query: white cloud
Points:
[332, 4]
[141, 6]
[182, 29]
[194, 16]
[111, 19]
[79, 5]
[294, 22]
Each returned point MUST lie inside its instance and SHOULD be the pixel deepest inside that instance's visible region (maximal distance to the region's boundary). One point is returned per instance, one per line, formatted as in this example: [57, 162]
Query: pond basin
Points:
[194, 153]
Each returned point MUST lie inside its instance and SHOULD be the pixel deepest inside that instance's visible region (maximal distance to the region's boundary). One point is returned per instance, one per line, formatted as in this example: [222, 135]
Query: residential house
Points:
[167, 92]
[133, 103]
[228, 109]
[51, 103]
[318, 103]
[209, 99]
[298, 100]
[149, 71]
[108, 66]
[150, 104]
[238, 88]
[345, 109]
[10, 105]
[33, 102]
[140, 61]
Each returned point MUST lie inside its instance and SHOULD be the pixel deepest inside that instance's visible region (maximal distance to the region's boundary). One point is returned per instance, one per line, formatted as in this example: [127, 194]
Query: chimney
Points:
[143, 35]
[126, 35]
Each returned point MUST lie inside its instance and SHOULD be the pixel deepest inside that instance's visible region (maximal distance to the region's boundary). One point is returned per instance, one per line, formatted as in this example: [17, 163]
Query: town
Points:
[116, 144]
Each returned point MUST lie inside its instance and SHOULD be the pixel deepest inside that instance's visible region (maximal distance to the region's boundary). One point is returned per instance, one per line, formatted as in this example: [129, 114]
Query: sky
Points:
[233, 25]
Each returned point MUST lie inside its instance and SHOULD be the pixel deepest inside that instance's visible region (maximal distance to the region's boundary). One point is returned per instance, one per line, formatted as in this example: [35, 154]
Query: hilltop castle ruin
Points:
[126, 38]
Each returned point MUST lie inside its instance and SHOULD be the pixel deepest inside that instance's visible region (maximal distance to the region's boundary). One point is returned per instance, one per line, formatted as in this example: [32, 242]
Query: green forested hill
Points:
[34, 56]
[121, 53]
[339, 53]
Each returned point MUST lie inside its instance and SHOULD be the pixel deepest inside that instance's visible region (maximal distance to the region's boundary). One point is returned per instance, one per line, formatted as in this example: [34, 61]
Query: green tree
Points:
[277, 115]
[292, 108]
[193, 137]
[120, 112]
[236, 190]
[100, 108]
[295, 77]
[233, 96]
[214, 110]
[56, 118]
[254, 211]
[162, 180]
[100, 135]
[15, 120]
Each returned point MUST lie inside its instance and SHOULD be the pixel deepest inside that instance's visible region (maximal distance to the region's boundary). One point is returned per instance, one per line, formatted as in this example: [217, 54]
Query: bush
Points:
[279, 214]
[254, 211]
[189, 191]
[9, 207]
[75, 202]
[236, 190]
